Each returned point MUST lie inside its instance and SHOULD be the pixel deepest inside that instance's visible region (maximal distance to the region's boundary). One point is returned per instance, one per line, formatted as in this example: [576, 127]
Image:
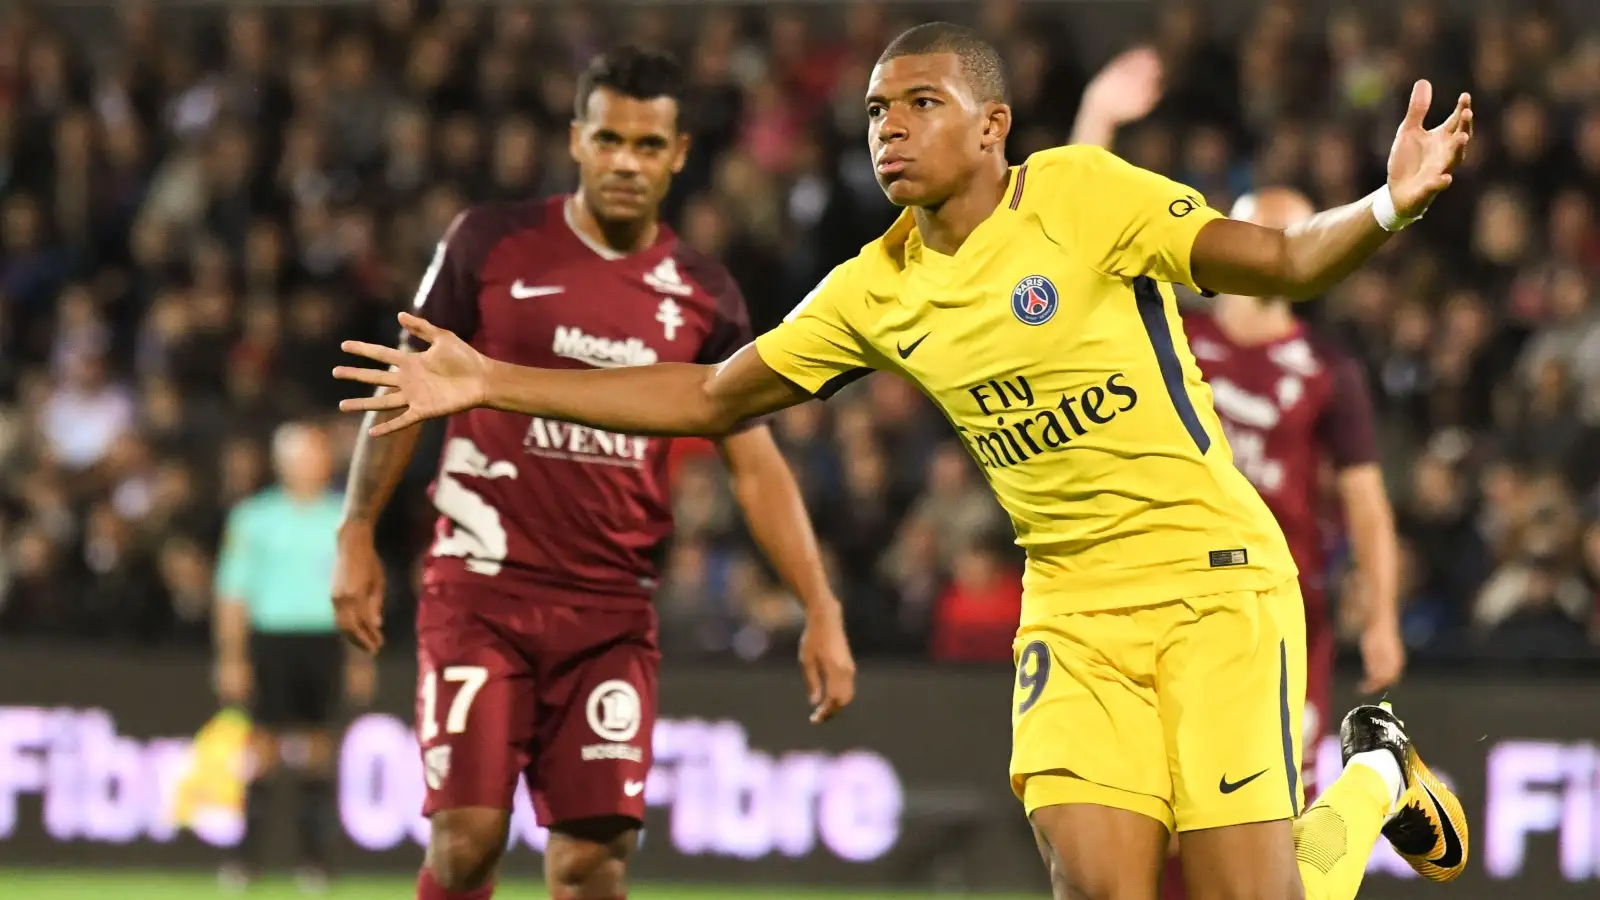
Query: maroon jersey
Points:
[548, 504]
[1287, 407]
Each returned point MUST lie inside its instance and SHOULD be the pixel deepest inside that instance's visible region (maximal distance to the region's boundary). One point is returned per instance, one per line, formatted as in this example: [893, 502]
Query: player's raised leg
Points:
[1332, 840]
[1234, 730]
[1429, 829]
[597, 695]
[475, 723]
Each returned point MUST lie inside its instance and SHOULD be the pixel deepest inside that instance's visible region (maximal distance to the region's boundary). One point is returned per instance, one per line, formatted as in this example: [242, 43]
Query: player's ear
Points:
[996, 125]
[680, 152]
[575, 139]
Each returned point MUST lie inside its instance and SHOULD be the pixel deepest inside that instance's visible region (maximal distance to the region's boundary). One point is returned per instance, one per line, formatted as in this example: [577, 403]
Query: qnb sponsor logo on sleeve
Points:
[722, 797]
[603, 353]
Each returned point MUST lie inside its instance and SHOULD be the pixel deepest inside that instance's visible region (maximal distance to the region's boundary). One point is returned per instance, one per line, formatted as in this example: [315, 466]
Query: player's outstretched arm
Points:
[1231, 257]
[668, 399]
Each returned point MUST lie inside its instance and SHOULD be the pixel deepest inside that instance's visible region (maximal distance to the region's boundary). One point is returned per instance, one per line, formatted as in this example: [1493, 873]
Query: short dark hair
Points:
[631, 72]
[980, 61]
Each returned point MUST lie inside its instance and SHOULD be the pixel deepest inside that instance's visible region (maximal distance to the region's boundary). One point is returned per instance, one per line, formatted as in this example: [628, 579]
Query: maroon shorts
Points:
[515, 683]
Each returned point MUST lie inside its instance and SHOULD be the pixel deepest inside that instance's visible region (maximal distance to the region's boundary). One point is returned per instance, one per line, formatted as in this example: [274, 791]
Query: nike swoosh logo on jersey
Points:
[1228, 787]
[633, 788]
[520, 291]
[905, 352]
[1451, 857]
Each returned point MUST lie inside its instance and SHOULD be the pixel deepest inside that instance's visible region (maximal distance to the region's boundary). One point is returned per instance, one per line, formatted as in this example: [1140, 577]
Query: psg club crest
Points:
[1034, 300]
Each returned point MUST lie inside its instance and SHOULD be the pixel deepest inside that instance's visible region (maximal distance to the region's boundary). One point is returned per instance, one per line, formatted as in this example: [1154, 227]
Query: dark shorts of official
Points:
[298, 679]
[514, 681]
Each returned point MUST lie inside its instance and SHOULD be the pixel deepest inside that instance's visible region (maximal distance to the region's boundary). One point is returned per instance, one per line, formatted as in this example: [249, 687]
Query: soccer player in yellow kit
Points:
[1160, 658]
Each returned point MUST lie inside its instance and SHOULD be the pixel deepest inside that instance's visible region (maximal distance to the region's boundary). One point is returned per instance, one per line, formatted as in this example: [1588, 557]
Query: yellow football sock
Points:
[1333, 838]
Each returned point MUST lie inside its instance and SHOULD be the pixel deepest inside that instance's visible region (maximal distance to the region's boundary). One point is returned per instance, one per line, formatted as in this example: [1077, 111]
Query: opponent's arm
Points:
[770, 499]
[376, 467]
[1370, 521]
[448, 293]
[1232, 257]
[1347, 429]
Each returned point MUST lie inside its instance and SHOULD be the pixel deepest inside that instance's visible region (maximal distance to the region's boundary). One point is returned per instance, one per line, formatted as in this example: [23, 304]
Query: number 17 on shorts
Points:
[461, 684]
[580, 738]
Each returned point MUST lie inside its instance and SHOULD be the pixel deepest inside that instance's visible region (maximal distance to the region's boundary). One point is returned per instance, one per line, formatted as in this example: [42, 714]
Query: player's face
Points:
[927, 133]
[627, 151]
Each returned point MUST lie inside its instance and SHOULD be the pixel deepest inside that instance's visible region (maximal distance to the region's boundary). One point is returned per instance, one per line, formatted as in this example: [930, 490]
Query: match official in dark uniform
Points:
[278, 650]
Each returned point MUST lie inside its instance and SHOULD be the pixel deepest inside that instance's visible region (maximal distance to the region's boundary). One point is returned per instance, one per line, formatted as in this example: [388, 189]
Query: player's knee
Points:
[587, 859]
[465, 846]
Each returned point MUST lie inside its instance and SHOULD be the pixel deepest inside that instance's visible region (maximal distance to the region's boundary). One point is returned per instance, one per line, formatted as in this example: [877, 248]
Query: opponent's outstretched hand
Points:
[1423, 160]
[446, 378]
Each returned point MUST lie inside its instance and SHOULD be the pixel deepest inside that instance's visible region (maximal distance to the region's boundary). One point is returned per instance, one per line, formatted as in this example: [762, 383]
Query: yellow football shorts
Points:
[1187, 712]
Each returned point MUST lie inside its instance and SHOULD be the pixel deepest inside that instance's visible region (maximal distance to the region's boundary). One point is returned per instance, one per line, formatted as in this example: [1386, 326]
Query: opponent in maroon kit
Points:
[536, 635]
[1292, 405]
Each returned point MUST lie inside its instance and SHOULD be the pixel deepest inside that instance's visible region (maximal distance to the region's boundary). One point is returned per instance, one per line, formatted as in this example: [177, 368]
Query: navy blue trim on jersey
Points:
[1152, 310]
[840, 381]
[1289, 768]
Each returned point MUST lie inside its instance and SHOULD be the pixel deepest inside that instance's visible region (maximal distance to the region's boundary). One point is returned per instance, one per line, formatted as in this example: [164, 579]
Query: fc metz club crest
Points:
[1034, 300]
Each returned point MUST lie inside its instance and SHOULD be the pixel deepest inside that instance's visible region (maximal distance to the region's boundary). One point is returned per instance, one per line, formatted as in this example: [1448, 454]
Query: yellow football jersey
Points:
[1052, 343]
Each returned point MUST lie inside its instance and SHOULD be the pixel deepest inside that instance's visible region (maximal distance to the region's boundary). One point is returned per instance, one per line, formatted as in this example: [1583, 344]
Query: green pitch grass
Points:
[118, 885]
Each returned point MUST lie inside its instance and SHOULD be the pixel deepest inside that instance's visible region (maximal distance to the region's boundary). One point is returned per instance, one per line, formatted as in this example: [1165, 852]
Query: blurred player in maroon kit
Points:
[1292, 406]
[536, 634]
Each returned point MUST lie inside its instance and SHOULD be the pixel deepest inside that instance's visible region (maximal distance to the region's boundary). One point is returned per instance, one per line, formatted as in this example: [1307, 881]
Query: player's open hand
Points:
[1423, 160]
[447, 378]
[825, 659]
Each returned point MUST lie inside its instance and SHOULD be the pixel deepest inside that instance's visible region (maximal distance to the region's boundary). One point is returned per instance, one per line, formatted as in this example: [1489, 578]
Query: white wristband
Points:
[1383, 210]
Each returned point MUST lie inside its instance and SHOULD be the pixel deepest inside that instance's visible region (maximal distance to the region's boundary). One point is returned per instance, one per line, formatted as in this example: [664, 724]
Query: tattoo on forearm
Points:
[374, 468]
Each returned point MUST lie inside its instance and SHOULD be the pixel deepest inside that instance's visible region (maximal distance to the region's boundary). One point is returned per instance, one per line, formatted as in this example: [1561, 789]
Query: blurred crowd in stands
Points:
[195, 206]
